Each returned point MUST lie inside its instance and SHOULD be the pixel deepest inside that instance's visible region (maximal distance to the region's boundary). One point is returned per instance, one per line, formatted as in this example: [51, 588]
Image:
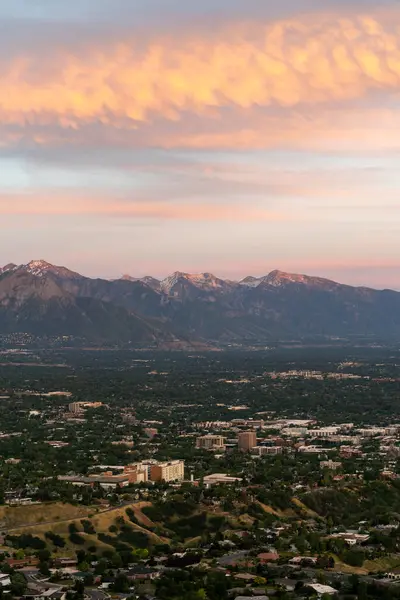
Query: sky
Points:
[224, 136]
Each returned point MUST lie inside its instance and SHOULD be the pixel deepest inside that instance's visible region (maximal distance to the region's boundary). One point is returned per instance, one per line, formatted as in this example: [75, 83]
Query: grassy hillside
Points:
[19, 516]
[80, 527]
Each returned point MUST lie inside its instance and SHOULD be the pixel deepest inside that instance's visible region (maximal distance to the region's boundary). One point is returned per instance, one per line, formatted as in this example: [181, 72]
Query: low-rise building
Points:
[217, 478]
[393, 573]
[352, 538]
[263, 450]
[330, 464]
[322, 590]
[142, 573]
[136, 472]
[5, 581]
[19, 563]
[267, 557]
[105, 481]
[63, 562]
[371, 431]
[311, 449]
[324, 432]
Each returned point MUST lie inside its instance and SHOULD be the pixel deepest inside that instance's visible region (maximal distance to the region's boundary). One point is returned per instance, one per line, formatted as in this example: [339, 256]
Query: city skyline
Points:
[150, 137]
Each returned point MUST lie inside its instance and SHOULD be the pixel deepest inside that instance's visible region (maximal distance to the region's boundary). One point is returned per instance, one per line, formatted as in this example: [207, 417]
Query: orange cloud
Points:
[319, 59]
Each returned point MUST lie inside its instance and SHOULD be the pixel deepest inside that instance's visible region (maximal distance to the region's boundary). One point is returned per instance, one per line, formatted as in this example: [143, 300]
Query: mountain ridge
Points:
[40, 266]
[190, 307]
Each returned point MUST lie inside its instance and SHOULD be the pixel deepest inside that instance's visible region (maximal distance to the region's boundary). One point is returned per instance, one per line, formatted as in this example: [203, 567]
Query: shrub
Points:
[27, 540]
[57, 540]
[76, 539]
[88, 526]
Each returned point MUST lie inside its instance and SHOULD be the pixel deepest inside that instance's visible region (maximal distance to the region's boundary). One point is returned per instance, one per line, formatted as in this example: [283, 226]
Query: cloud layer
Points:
[319, 60]
[223, 136]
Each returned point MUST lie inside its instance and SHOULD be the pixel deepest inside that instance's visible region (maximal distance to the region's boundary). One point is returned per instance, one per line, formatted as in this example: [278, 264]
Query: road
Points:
[96, 594]
[91, 594]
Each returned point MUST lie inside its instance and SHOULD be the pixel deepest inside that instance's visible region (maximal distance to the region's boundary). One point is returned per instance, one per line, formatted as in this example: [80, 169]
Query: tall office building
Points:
[247, 440]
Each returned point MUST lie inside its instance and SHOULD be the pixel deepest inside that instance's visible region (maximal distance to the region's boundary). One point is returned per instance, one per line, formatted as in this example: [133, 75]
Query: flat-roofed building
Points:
[217, 478]
[333, 465]
[263, 450]
[210, 442]
[324, 432]
[137, 473]
[80, 407]
[173, 470]
[106, 481]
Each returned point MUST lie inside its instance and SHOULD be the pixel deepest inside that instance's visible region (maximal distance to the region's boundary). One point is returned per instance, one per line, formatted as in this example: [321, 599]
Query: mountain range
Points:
[46, 300]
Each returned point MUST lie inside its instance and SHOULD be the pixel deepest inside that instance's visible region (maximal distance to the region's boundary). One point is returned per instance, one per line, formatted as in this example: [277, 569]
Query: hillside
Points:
[82, 526]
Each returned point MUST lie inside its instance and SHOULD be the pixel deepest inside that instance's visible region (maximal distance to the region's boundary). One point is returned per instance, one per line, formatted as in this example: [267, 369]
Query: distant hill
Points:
[47, 300]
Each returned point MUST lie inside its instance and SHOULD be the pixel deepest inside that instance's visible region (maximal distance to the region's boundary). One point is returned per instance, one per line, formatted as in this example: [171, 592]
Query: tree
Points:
[84, 566]
[217, 586]
[43, 555]
[354, 582]
[116, 560]
[88, 579]
[44, 568]
[101, 567]
[81, 555]
[79, 588]
[354, 558]
[18, 584]
[121, 583]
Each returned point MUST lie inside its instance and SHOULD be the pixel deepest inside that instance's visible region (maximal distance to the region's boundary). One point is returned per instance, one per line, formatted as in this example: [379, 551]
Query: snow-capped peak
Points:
[250, 281]
[207, 279]
[199, 280]
[169, 282]
[39, 268]
[278, 278]
[151, 282]
[148, 280]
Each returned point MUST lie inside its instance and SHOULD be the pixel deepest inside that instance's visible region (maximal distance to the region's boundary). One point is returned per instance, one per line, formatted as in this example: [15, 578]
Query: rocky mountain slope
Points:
[43, 299]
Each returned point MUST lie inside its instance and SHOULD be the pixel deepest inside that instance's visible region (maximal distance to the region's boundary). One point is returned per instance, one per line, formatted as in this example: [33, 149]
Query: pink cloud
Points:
[73, 205]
